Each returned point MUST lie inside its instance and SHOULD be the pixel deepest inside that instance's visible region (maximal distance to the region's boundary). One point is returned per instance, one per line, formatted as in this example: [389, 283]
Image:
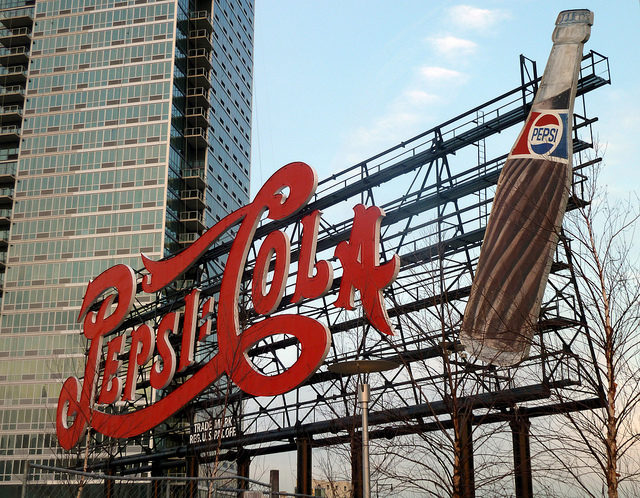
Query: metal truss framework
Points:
[436, 213]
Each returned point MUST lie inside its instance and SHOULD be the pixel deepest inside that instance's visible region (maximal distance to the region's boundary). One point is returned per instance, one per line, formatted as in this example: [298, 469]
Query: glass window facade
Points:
[132, 134]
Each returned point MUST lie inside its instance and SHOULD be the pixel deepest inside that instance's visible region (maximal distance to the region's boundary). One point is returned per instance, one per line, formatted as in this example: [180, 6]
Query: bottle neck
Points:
[560, 79]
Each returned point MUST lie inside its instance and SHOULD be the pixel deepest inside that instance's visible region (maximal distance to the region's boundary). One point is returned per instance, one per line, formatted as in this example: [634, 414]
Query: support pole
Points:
[244, 463]
[192, 471]
[274, 482]
[356, 464]
[521, 456]
[363, 397]
[466, 457]
[108, 484]
[304, 465]
[23, 492]
[156, 471]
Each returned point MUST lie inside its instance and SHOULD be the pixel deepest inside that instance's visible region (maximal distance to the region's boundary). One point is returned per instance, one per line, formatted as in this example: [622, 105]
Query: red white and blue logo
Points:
[545, 135]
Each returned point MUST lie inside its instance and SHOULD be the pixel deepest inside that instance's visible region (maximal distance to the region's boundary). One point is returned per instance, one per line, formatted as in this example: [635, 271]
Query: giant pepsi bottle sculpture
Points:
[522, 233]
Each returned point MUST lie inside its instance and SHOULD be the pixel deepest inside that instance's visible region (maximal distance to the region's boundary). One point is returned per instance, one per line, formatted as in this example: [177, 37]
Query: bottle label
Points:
[544, 136]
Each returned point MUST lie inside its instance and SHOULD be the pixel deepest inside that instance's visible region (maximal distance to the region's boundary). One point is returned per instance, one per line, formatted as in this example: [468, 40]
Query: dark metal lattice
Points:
[436, 214]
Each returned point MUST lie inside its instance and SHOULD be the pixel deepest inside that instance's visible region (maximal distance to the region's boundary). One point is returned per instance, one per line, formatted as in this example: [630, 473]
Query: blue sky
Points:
[338, 81]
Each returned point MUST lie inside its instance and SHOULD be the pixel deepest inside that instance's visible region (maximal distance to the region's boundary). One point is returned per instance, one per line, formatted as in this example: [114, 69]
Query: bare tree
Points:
[334, 467]
[602, 451]
[447, 452]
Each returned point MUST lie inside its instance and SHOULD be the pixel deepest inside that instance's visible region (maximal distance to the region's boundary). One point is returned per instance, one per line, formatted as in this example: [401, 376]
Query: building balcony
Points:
[17, 18]
[187, 238]
[10, 113]
[16, 36]
[3, 261]
[201, 19]
[14, 56]
[9, 134]
[192, 199]
[196, 137]
[197, 116]
[5, 219]
[6, 196]
[8, 172]
[11, 94]
[200, 38]
[4, 239]
[195, 178]
[193, 221]
[198, 97]
[199, 76]
[199, 57]
[13, 75]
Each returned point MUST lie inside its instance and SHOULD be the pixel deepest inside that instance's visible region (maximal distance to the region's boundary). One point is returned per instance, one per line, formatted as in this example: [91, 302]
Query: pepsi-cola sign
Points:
[113, 293]
[544, 136]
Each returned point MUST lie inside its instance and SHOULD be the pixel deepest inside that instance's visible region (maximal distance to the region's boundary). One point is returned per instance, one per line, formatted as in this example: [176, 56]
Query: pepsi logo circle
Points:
[545, 134]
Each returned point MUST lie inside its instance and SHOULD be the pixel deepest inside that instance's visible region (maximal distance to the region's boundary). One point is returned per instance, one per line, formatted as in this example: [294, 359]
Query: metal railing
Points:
[45, 481]
[197, 92]
[13, 69]
[14, 51]
[16, 10]
[191, 216]
[11, 109]
[198, 52]
[187, 238]
[198, 71]
[199, 33]
[195, 111]
[11, 89]
[192, 194]
[199, 14]
[8, 168]
[193, 172]
[195, 132]
[14, 31]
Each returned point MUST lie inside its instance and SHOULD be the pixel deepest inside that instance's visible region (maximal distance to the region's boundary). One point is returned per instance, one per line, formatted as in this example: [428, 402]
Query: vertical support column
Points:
[192, 471]
[468, 487]
[521, 456]
[155, 485]
[244, 463]
[108, 484]
[356, 464]
[23, 491]
[363, 398]
[304, 465]
[274, 483]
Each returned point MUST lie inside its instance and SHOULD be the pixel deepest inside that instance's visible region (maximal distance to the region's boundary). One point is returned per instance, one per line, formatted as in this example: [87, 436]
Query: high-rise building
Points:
[124, 128]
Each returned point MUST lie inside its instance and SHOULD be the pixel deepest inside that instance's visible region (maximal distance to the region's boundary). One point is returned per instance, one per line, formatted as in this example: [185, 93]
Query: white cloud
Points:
[451, 46]
[409, 113]
[417, 97]
[474, 18]
[385, 127]
[383, 132]
[406, 115]
[439, 75]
